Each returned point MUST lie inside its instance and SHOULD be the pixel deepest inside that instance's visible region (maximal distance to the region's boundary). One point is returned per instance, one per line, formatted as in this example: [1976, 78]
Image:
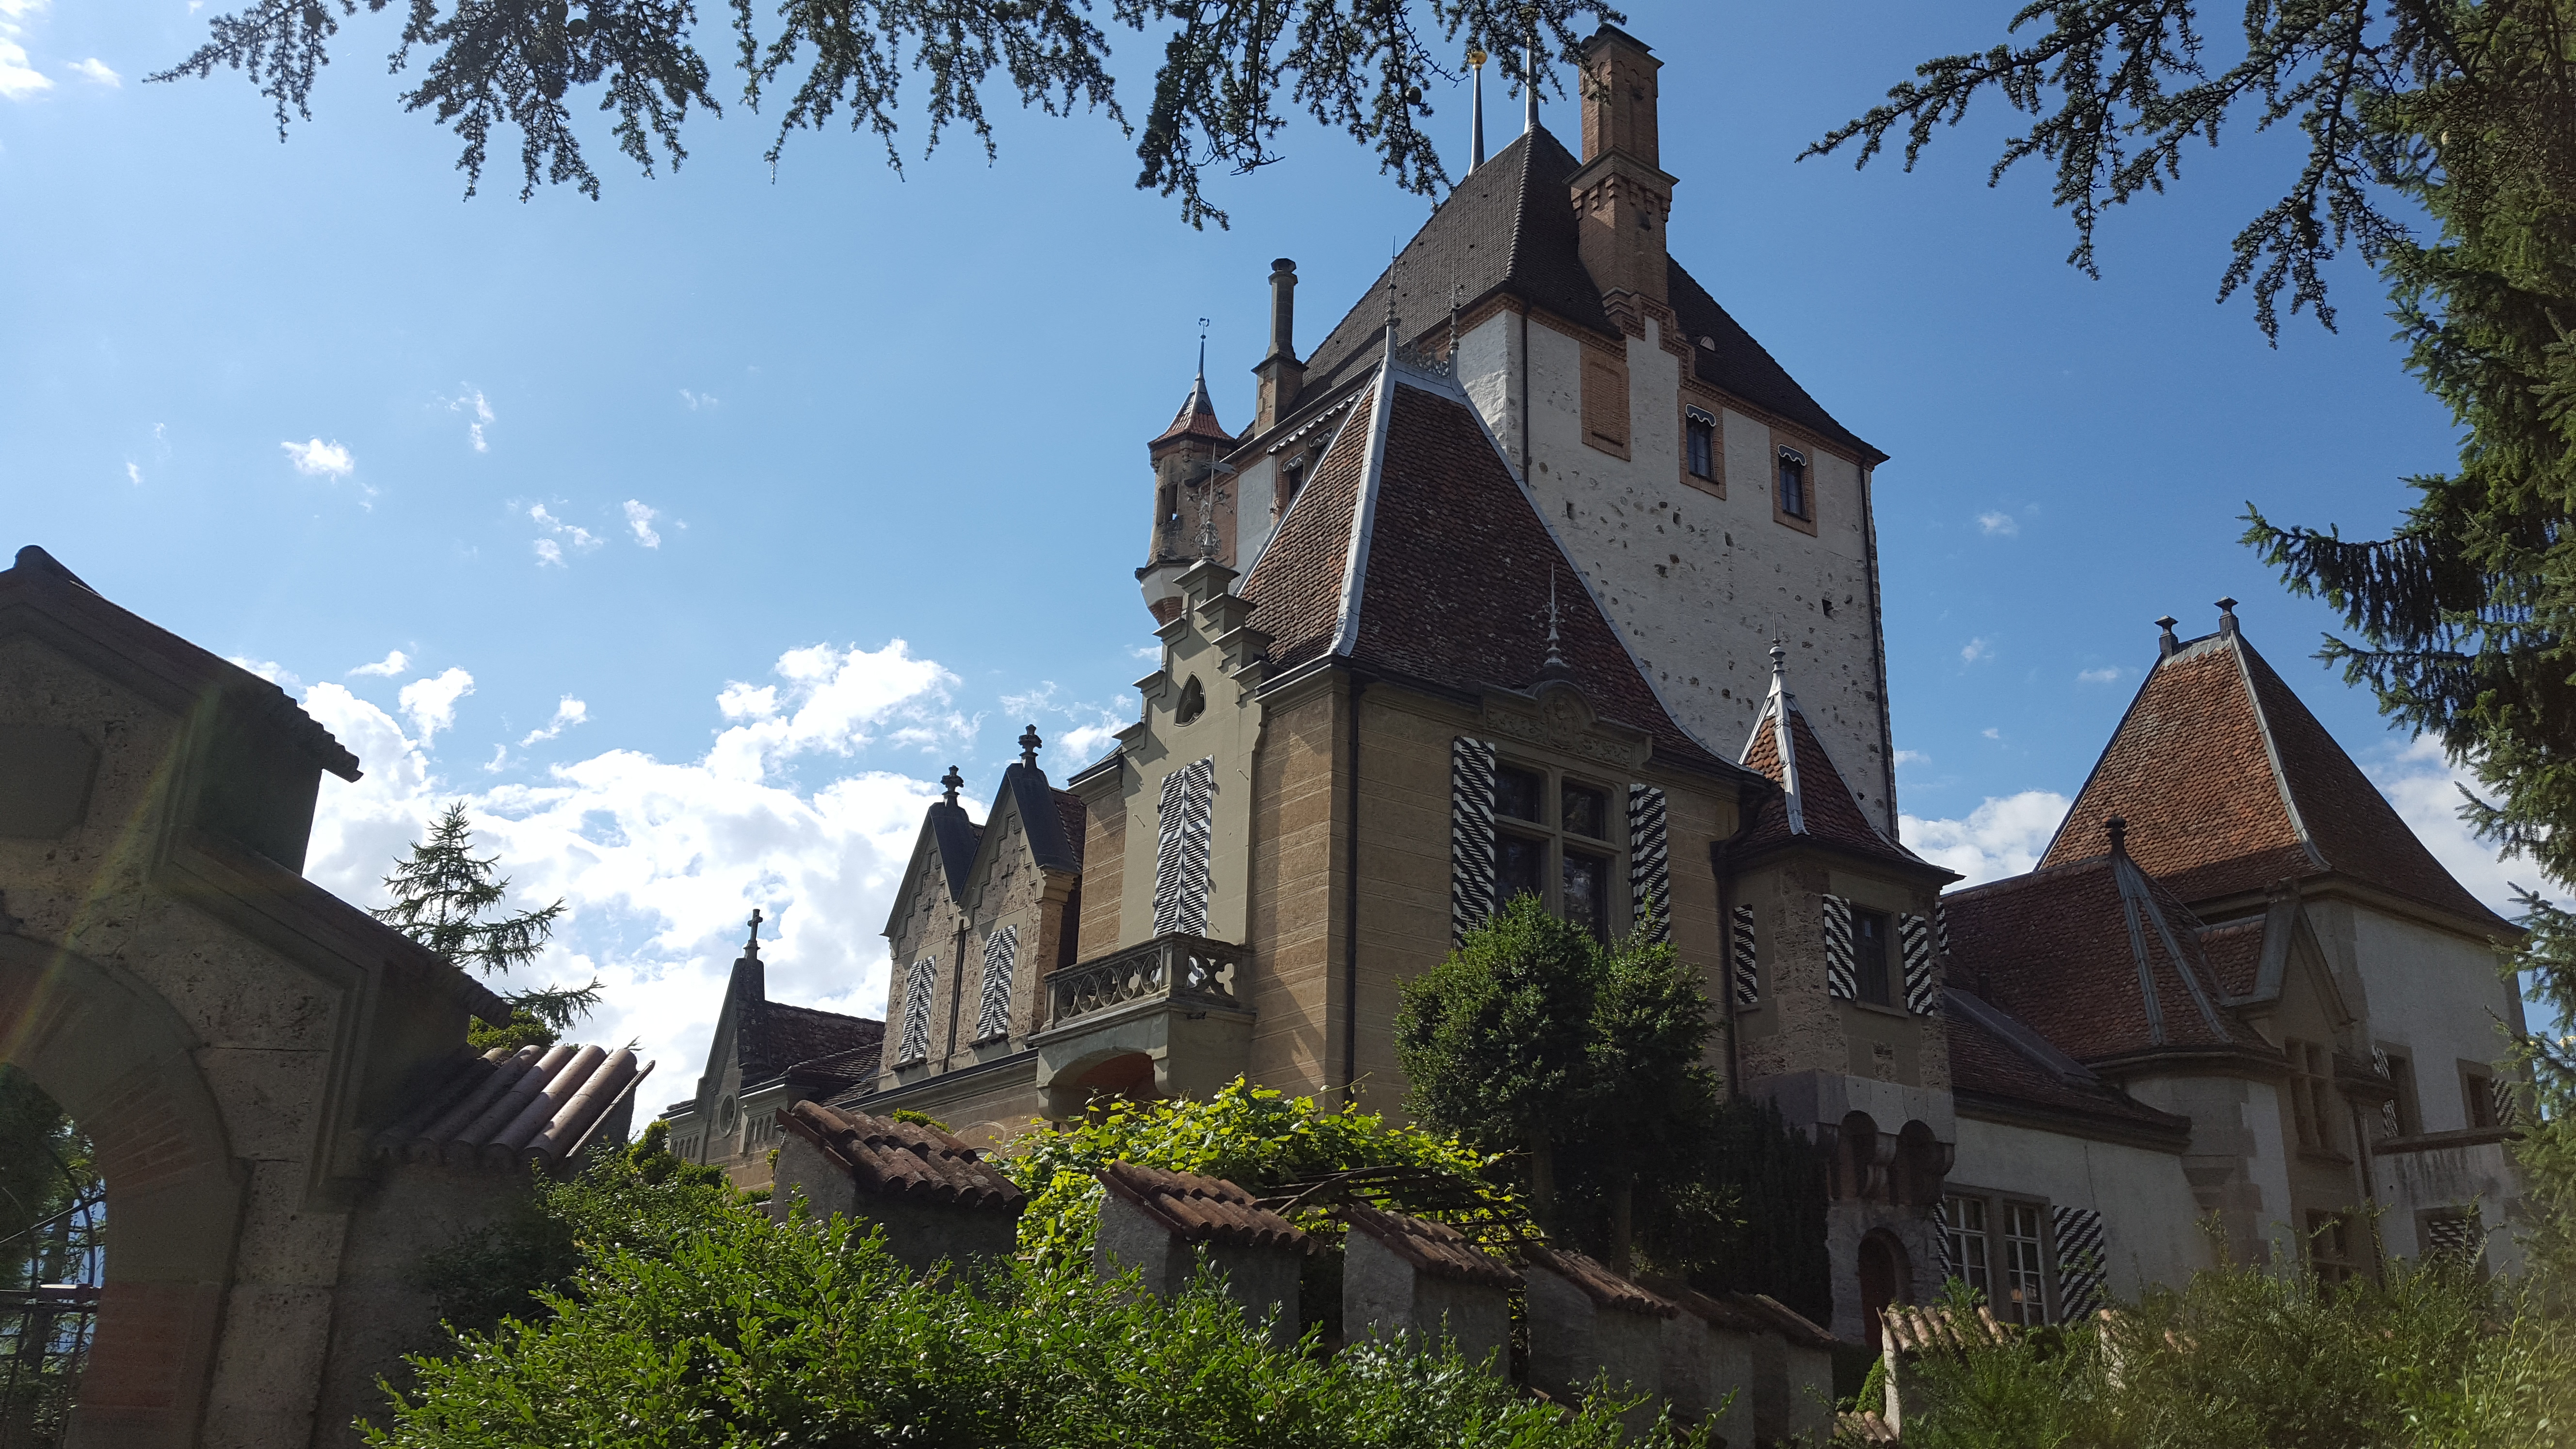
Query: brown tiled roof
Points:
[1455, 566]
[1993, 1056]
[772, 1036]
[504, 1108]
[1716, 1314]
[1744, 368]
[1788, 1322]
[1605, 1288]
[1200, 1209]
[1434, 1248]
[2235, 955]
[836, 1072]
[1814, 802]
[902, 1159]
[1196, 419]
[2096, 957]
[2230, 785]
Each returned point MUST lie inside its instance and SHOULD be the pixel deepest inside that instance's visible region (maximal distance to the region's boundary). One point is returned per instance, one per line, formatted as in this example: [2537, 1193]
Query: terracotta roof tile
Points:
[1788, 1322]
[504, 1108]
[1200, 1209]
[902, 1159]
[2192, 769]
[1815, 802]
[1196, 419]
[1734, 1317]
[1605, 1288]
[2235, 955]
[1433, 1248]
[1990, 1058]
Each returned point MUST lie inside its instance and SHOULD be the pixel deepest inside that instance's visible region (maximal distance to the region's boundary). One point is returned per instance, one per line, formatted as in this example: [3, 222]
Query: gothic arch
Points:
[115, 1056]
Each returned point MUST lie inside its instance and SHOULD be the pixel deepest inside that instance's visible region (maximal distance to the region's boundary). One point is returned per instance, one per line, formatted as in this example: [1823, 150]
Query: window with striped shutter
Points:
[2080, 1260]
[1650, 867]
[918, 985]
[1183, 823]
[993, 1009]
[1841, 971]
[1922, 976]
[1744, 960]
[1471, 835]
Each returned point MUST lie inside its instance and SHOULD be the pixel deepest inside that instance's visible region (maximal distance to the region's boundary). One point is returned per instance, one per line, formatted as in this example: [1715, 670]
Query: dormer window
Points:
[1699, 443]
[1793, 484]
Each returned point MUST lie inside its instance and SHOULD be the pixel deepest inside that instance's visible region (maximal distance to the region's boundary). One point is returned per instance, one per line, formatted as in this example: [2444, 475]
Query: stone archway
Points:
[1886, 1278]
[117, 1059]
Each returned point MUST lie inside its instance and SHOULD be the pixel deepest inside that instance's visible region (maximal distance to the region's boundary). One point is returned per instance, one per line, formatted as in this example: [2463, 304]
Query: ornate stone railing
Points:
[1178, 968]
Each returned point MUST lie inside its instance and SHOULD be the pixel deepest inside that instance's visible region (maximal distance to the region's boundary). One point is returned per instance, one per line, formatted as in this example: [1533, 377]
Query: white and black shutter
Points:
[1471, 835]
[993, 1009]
[1922, 973]
[1941, 1253]
[2079, 1262]
[1650, 865]
[918, 984]
[1941, 927]
[1842, 972]
[1747, 968]
[1184, 823]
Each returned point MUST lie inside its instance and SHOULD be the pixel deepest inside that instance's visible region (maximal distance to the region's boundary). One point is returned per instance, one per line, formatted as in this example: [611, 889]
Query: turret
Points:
[1193, 509]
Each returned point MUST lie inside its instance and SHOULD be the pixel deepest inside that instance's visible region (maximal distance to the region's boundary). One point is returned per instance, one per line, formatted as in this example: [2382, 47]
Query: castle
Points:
[1538, 574]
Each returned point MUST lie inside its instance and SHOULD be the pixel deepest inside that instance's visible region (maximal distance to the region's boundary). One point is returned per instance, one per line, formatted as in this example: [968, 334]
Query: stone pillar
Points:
[1157, 1223]
[1708, 1359]
[1403, 1276]
[1587, 1323]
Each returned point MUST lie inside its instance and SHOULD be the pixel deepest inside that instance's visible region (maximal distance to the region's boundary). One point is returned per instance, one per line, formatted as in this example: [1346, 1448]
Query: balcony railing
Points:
[1176, 968]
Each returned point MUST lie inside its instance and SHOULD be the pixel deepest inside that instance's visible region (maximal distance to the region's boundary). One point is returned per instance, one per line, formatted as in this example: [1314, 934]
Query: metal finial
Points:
[1529, 83]
[1394, 259]
[752, 947]
[953, 782]
[1029, 743]
[1203, 327]
[2119, 829]
[1555, 666]
[1779, 659]
[1476, 109]
[1453, 318]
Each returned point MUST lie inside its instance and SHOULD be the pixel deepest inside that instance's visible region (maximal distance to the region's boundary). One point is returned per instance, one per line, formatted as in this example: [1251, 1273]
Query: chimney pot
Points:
[2119, 829]
[2166, 643]
[1282, 375]
[2227, 616]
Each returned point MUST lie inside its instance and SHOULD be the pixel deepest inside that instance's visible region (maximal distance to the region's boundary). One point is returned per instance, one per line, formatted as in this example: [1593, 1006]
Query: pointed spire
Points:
[1029, 743]
[1555, 666]
[1529, 83]
[1476, 111]
[952, 782]
[1783, 739]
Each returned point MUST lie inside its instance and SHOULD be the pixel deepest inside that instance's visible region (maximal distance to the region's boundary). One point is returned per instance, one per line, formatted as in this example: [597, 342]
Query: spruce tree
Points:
[445, 898]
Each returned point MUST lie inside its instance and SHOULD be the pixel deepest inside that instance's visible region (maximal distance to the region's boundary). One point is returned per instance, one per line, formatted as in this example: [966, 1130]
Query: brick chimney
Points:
[1282, 375]
[1622, 198]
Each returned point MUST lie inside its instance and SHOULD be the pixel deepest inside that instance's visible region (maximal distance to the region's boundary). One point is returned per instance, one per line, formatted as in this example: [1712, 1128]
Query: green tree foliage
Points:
[1227, 69]
[51, 1217]
[1741, 1206]
[445, 898]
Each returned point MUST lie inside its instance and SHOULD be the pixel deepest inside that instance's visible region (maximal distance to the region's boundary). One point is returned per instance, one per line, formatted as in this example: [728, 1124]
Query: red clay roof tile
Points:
[888, 1158]
[1433, 1248]
[1605, 1288]
[505, 1108]
[1200, 1209]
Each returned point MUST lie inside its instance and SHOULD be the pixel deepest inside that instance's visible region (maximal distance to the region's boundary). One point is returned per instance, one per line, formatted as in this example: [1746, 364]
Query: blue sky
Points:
[712, 520]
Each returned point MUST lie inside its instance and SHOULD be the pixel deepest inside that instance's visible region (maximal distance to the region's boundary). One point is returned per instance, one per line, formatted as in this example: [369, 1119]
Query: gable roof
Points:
[1413, 548]
[1814, 803]
[1199, 1209]
[1042, 817]
[2097, 957]
[2230, 785]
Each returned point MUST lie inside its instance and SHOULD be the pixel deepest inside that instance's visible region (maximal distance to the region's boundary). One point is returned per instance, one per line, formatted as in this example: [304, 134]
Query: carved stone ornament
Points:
[1560, 719]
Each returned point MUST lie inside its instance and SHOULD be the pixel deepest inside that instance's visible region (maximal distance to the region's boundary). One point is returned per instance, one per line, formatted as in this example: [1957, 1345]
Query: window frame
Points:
[1888, 997]
[1553, 837]
[1783, 455]
[1694, 417]
[1998, 1239]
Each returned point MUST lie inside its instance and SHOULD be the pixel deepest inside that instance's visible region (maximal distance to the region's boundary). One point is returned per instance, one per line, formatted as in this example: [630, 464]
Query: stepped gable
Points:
[2231, 786]
[1814, 803]
[1435, 1249]
[538, 1105]
[1413, 550]
[1200, 1209]
[2095, 956]
[901, 1159]
[1997, 1060]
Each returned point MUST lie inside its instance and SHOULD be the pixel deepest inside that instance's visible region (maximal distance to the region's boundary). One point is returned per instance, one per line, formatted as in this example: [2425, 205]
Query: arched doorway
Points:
[1886, 1278]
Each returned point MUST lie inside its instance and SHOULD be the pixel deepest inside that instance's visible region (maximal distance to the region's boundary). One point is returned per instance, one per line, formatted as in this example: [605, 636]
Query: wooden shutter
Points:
[918, 985]
[1922, 974]
[1184, 823]
[2079, 1262]
[993, 1010]
[1471, 835]
[1747, 970]
[1605, 402]
[1842, 972]
[1650, 866]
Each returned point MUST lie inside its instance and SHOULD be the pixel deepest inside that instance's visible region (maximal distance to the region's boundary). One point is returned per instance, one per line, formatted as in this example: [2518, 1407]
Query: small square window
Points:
[2025, 1274]
[1870, 956]
[1521, 794]
[1699, 436]
[1793, 483]
[1520, 868]
[1586, 812]
[1587, 892]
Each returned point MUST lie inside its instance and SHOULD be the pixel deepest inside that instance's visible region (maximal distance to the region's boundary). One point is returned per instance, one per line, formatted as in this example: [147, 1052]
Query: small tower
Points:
[1193, 509]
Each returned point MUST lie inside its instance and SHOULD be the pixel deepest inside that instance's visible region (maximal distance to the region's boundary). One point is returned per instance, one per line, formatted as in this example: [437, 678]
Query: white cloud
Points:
[133, 475]
[1992, 733]
[2002, 525]
[568, 713]
[660, 862]
[270, 670]
[320, 459]
[96, 72]
[2001, 837]
[551, 550]
[19, 80]
[2425, 788]
[430, 704]
[1911, 757]
[393, 664]
[2107, 674]
[640, 518]
[697, 400]
[1976, 649]
[477, 410]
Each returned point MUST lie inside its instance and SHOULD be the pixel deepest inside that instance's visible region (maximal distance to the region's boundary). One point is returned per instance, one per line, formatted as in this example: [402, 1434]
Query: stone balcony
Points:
[1163, 1018]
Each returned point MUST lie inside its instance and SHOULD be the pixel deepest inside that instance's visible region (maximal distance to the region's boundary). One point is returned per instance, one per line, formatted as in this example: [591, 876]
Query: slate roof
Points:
[2230, 785]
[1074, 821]
[1605, 1288]
[505, 1108]
[1200, 1209]
[1508, 227]
[2095, 956]
[1436, 1249]
[1043, 810]
[1998, 1058]
[1413, 549]
[836, 1072]
[1814, 803]
[888, 1158]
[772, 1036]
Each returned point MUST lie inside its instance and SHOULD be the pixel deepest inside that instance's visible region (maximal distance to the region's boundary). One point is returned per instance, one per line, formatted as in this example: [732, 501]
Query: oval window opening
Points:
[1193, 703]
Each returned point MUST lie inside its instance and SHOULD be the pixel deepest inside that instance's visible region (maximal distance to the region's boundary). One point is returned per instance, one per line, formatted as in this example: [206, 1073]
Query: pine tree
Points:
[444, 897]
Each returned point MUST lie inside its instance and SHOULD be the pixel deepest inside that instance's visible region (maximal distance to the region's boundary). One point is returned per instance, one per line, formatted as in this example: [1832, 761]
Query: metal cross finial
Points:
[1029, 743]
[954, 782]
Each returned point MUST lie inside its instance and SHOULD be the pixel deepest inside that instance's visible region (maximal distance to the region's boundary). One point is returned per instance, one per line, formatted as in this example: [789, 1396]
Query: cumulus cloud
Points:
[2004, 836]
[430, 704]
[1976, 649]
[394, 663]
[2002, 525]
[2425, 789]
[640, 519]
[551, 550]
[96, 72]
[1992, 733]
[568, 713]
[270, 670]
[1911, 757]
[2107, 674]
[661, 861]
[320, 459]
[19, 80]
[471, 402]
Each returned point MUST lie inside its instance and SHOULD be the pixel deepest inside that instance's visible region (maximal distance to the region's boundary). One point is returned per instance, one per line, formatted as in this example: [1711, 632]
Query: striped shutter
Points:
[1941, 927]
[918, 984]
[1941, 1241]
[2079, 1262]
[993, 1010]
[1471, 835]
[1184, 822]
[1748, 970]
[1922, 978]
[1650, 866]
[2503, 1101]
[1842, 973]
